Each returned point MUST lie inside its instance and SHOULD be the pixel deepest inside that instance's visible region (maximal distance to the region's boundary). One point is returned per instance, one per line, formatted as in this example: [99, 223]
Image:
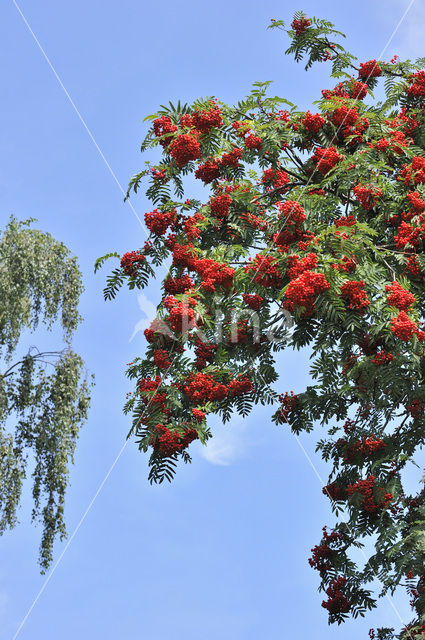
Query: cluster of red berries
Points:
[220, 205]
[204, 352]
[404, 328]
[241, 128]
[175, 286]
[198, 415]
[279, 179]
[202, 387]
[207, 119]
[367, 195]
[412, 267]
[158, 329]
[416, 202]
[395, 144]
[190, 225]
[288, 405]
[349, 89]
[355, 296]
[334, 492]
[293, 216]
[417, 88]
[326, 159]
[368, 491]
[366, 446]
[149, 384]
[303, 291]
[159, 175]
[167, 443]
[131, 261]
[159, 221]
[349, 363]
[345, 221]
[184, 148]
[300, 25]
[210, 169]
[313, 122]
[232, 158]
[253, 301]
[337, 601]
[292, 212]
[347, 265]
[214, 274]
[239, 333]
[370, 69]
[181, 316]
[409, 237]
[407, 120]
[357, 90]
[382, 358]
[240, 386]
[297, 265]
[344, 115]
[355, 133]
[253, 142]
[148, 388]
[265, 271]
[163, 126]
[323, 551]
[161, 359]
[398, 296]
[416, 408]
[414, 172]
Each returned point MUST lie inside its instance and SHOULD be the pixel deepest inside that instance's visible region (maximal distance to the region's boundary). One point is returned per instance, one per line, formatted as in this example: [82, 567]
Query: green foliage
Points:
[44, 396]
[324, 212]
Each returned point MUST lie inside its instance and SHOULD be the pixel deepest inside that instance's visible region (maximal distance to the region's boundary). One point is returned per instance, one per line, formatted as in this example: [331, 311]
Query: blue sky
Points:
[222, 552]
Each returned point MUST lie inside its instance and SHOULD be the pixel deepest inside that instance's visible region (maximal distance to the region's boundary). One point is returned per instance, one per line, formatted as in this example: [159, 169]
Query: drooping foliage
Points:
[318, 217]
[44, 395]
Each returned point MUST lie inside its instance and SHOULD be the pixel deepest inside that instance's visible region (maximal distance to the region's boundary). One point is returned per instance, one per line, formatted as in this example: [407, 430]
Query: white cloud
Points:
[228, 444]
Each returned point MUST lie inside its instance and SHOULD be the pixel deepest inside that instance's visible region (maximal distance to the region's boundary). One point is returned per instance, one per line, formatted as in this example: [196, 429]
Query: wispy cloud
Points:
[228, 444]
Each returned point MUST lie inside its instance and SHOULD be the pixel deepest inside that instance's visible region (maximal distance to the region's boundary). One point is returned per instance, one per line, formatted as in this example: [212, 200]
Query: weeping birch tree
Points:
[44, 395]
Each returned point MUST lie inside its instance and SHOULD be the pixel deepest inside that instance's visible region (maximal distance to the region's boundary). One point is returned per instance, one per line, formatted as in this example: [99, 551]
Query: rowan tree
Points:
[44, 395]
[320, 215]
